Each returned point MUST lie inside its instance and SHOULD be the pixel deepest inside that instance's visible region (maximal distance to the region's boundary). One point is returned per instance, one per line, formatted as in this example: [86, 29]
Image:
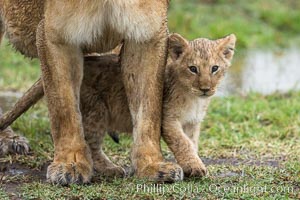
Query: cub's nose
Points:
[204, 90]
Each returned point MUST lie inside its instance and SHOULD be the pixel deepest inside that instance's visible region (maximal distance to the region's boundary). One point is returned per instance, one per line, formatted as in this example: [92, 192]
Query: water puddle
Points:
[227, 174]
[237, 162]
[7, 99]
[263, 71]
[10, 170]
[15, 172]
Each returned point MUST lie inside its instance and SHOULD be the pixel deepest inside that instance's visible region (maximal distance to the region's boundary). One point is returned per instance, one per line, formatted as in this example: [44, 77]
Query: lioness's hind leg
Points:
[11, 143]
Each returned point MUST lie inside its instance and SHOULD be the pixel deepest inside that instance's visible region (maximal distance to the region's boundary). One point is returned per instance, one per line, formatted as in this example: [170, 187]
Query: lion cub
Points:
[193, 71]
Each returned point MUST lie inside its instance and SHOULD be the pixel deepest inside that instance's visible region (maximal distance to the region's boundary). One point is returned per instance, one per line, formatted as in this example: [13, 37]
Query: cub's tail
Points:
[33, 95]
[114, 135]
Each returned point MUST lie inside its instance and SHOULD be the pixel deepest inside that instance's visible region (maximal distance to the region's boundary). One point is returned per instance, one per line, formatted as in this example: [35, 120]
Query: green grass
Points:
[3, 195]
[256, 23]
[246, 133]
[17, 72]
[272, 122]
[211, 187]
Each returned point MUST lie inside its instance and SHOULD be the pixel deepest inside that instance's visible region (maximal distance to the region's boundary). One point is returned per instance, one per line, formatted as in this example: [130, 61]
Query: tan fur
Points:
[20, 19]
[190, 93]
[60, 32]
[105, 108]
[181, 126]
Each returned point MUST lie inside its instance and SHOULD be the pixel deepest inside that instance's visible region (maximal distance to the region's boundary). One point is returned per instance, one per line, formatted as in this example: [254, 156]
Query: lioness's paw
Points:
[68, 173]
[194, 168]
[13, 144]
[162, 172]
[115, 171]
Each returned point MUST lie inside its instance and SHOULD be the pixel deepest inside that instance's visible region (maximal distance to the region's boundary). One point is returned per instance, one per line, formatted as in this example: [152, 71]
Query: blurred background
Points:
[267, 52]
[267, 55]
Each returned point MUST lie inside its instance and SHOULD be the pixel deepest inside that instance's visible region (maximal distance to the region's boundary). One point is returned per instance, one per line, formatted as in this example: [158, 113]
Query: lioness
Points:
[193, 72]
[59, 33]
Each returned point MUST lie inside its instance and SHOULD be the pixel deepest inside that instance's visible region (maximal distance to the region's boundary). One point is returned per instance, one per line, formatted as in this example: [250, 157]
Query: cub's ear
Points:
[226, 46]
[177, 46]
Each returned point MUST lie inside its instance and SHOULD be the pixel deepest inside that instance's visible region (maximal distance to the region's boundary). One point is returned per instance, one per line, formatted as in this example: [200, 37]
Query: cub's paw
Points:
[110, 172]
[162, 172]
[13, 144]
[68, 173]
[194, 168]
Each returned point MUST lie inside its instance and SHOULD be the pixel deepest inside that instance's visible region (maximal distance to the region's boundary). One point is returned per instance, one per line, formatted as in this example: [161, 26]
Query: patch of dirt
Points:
[12, 176]
[228, 174]
[236, 162]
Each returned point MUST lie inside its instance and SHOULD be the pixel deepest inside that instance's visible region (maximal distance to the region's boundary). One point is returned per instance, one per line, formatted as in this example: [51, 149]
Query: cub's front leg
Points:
[62, 66]
[184, 149]
[193, 132]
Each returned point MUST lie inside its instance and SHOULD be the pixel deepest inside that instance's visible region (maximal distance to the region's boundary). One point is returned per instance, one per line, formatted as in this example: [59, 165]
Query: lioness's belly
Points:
[87, 21]
[95, 25]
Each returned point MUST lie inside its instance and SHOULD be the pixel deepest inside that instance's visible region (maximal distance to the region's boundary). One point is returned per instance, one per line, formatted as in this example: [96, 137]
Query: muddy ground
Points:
[14, 175]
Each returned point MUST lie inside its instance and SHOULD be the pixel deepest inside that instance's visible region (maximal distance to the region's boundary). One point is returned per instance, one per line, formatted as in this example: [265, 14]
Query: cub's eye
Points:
[214, 68]
[193, 69]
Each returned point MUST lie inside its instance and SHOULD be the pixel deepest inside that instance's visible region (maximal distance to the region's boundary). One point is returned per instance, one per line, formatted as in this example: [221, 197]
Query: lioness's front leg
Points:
[61, 65]
[142, 70]
[183, 148]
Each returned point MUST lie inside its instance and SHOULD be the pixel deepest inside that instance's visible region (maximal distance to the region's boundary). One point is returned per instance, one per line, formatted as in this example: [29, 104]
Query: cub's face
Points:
[200, 65]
